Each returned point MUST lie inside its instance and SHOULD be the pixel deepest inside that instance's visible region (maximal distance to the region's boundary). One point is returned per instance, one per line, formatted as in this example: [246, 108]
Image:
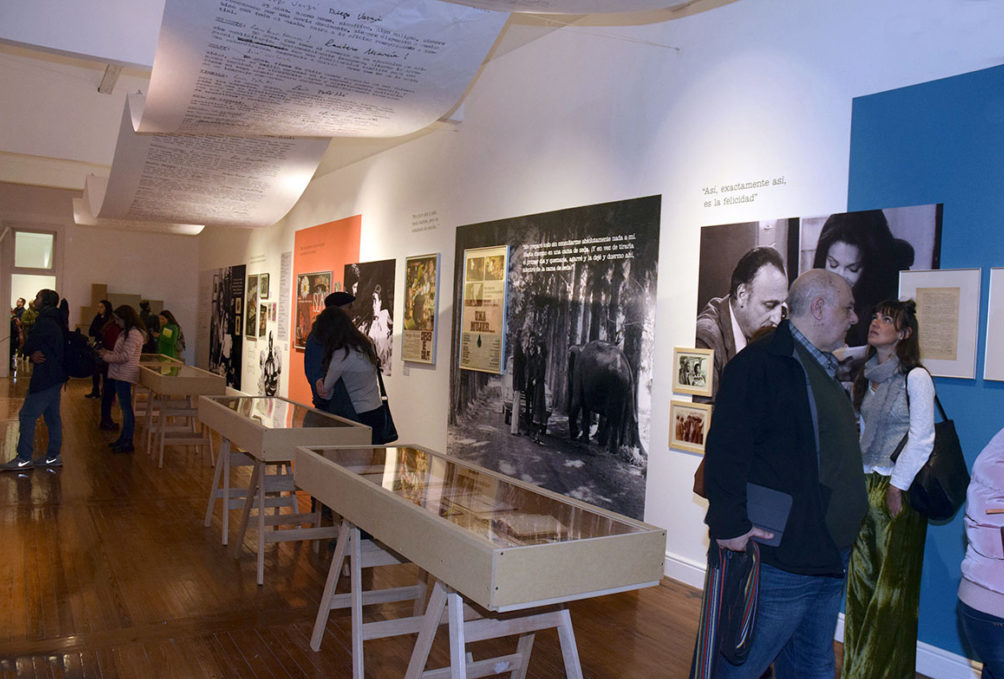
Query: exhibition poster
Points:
[571, 405]
[311, 289]
[226, 319]
[251, 324]
[482, 334]
[421, 284]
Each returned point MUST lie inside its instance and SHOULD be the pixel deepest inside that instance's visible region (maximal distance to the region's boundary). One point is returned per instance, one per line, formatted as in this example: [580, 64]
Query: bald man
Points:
[783, 421]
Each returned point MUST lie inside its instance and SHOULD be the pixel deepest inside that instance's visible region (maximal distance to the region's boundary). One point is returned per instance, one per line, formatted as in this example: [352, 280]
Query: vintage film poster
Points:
[571, 410]
[251, 325]
[227, 314]
[372, 284]
[311, 289]
[421, 303]
[482, 319]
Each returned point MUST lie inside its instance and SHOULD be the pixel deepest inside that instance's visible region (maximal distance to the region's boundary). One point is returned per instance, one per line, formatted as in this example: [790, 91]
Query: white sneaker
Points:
[17, 464]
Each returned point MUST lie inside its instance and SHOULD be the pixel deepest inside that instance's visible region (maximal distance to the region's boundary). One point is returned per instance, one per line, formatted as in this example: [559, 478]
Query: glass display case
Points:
[502, 543]
[177, 379]
[158, 359]
[271, 427]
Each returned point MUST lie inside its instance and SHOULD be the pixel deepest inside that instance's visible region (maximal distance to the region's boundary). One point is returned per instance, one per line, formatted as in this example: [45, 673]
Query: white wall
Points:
[755, 89]
[158, 266]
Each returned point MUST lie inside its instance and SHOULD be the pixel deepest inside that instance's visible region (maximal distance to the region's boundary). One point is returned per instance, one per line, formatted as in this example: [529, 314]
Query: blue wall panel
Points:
[943, 142]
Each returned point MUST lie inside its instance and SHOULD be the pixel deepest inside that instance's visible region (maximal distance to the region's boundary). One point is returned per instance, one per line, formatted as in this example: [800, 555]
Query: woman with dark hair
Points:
[860, 248]
[349, 355]
[894, 395]
[123, 372]
[169, 336]
[103, 317]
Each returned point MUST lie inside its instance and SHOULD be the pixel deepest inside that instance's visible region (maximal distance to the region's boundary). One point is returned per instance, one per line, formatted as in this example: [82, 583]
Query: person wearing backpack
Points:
[44, 347]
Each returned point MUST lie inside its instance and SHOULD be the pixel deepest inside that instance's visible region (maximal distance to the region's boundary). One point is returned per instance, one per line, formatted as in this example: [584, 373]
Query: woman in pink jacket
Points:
[123, 370]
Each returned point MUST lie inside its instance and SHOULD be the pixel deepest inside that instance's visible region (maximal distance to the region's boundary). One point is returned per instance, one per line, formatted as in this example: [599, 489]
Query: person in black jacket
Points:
[103, 317]
[783, 421]
[44, 347]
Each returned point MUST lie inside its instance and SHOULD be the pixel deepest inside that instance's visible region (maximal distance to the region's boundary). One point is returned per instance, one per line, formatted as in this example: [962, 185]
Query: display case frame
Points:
[496, 575]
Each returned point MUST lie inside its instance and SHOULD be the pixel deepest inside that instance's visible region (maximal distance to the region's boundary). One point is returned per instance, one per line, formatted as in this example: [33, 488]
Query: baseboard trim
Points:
[931, 661]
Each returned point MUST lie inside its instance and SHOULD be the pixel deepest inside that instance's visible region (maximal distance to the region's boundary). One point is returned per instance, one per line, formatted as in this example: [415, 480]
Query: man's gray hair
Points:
[810, 285]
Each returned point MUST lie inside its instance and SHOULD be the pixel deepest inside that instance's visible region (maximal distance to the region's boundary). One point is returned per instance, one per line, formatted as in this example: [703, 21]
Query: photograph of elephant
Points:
[571, 409]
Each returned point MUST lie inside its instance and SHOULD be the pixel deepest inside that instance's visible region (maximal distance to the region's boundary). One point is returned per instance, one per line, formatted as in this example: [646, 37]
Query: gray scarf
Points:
[883, 410]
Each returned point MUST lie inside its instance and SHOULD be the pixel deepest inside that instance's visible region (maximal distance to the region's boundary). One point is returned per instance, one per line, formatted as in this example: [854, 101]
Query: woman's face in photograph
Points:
[844, 259]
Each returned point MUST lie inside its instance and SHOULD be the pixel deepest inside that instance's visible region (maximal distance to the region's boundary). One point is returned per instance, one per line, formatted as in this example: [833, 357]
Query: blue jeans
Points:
[985, 633]
[123, 392]
[46, 404]
[796, 619]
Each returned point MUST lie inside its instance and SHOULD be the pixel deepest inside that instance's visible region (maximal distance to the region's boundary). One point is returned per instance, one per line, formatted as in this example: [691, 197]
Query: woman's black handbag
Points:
[385, 432]
[939, 488]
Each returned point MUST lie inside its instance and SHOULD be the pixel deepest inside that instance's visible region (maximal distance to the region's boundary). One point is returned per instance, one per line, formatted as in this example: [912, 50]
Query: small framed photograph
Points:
[688, 425]
[263, 286]
[692, 370]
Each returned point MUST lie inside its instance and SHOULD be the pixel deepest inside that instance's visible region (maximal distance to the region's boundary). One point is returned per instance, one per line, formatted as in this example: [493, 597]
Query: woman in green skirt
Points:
[894, 395]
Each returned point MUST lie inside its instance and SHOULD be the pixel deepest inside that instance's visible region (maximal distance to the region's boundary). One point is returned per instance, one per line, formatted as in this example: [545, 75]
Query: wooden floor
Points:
[106, 570]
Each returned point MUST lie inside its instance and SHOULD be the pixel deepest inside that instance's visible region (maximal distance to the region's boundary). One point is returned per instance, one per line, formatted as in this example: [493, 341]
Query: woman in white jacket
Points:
[123, 370]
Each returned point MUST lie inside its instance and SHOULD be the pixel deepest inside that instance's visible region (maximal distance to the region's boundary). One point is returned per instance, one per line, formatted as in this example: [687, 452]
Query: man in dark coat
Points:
[784, 422]
[44, 347]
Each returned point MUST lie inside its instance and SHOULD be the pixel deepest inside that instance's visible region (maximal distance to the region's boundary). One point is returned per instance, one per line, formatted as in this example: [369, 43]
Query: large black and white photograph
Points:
[372, 284]
[742, 285]
[869, 248]
[225, 337]
[571, 410]
[746, 268]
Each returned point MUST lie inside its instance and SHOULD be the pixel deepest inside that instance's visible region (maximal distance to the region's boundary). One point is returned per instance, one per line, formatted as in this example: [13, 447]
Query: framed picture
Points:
[688, 425]
[948, 312]
[993, 363]
[311, 289]
[692, 370]
[263, 286]
[262, 319]
[482, 317]
[421, 287]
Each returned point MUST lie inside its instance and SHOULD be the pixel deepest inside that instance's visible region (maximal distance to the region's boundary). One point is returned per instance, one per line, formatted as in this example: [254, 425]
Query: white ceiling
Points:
[58, 127]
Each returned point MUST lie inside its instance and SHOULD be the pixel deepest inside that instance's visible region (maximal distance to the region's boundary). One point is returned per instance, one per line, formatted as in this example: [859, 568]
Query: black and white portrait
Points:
[743, 281]
[225, 337]
[372, 283]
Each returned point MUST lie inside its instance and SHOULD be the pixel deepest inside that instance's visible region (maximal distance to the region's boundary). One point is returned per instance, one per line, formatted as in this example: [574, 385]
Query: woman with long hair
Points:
[169, 335]
[860, 247]
[894, 395]
[123, 372]
[102, 317]
[349, 355]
